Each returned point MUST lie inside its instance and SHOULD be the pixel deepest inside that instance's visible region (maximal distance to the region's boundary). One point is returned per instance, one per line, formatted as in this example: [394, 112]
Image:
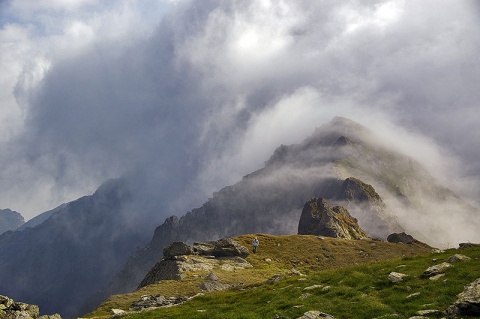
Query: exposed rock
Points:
[437, 277]
[468, 301]
[313, 287]
[214, 286]
[148, 301]
[429, 313]
[212, 277]
[435, 270]
[224, 254]
[415, 294]
[274, 279]
[457, 257]
[400, 238]
[177, 249]
[318, 218]
[118, 312]
[315, 314]
[396, 277]
[10, 309]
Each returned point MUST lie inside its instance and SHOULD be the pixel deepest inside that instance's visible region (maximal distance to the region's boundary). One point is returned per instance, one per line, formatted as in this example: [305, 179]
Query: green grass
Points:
[355, 291]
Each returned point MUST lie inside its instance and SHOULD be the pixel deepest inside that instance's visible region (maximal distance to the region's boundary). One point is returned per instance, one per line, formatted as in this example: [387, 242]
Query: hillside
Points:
[344, 278]
[277, 255]
[342, 162]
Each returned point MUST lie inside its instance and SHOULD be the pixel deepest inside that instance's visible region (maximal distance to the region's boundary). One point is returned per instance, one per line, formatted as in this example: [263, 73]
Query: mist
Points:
[186, 97]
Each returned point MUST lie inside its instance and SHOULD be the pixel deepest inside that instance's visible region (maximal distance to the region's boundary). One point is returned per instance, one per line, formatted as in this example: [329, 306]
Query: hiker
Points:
[255, 244]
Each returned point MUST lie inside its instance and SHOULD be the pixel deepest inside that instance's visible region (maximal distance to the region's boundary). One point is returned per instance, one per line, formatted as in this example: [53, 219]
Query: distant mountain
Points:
[342, 162]
[73, 253]
[10, 220]
[37, 220]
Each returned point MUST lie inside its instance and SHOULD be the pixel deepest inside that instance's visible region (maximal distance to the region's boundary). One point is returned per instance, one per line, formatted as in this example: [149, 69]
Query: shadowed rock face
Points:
[318, 218]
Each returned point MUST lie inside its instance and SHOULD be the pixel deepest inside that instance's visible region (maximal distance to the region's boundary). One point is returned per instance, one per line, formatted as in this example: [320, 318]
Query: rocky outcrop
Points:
[181, 258]
[400, 238]
[149, 301]
[319, 218]
[468, 301]
[10, 309]
[436, 270]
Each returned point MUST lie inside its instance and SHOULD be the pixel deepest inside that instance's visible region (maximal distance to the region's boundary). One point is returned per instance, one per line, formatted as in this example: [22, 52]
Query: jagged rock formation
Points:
[10, 220]
[10, 309]
[341, 162]
[180, 258]
[318, 218]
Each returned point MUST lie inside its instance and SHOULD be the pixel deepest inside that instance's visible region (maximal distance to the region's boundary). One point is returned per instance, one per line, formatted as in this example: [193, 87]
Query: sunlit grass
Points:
[347, 290]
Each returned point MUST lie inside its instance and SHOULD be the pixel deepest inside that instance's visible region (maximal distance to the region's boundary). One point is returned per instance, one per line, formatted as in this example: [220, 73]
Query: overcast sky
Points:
[189, 96]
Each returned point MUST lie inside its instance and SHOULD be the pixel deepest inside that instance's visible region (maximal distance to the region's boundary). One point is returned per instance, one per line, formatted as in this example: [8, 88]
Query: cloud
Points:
[192, 95]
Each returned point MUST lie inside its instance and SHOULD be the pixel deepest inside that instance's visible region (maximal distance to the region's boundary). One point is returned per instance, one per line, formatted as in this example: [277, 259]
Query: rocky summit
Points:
[319, 218]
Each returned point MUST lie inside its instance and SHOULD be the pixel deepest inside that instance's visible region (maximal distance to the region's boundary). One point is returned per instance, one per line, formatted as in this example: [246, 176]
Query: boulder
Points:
[396, 277]
[468, 301]
[315, 314]
[457, 257]
[149, 301]
[435, 270]
[400, 238]
[319, 218]
[177, 249]
[228, 247]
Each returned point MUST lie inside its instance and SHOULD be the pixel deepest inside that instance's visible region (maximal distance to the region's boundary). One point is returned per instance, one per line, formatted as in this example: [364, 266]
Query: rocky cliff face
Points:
[10, 220]
[319, 218]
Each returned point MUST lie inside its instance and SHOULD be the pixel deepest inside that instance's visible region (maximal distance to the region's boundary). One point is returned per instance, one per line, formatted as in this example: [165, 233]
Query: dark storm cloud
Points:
[220, 84]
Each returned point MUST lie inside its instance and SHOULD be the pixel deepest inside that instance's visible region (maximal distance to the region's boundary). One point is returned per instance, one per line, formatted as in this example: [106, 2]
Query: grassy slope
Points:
[308, 254]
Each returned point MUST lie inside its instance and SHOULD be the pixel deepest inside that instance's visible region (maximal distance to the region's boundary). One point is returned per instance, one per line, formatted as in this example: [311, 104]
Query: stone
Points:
[396, 277]
[177, 249]
[149, 301]
[457, 257]
[429, 313]
[435, 270]
[313, 287]
[304, 296]
[212, 277]
[117, 312]
[415, 294]
[400, 238]
[214, 286]
[315, 314]
[228, 247]
[320, 219]
[468, 301]
[274, 279]
[436, 277]
[467, 245]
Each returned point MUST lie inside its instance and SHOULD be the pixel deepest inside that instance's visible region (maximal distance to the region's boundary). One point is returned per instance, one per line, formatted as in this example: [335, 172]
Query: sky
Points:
[189, 96]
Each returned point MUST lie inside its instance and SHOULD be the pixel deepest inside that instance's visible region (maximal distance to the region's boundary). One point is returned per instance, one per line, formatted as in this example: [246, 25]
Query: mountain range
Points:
[88, 249]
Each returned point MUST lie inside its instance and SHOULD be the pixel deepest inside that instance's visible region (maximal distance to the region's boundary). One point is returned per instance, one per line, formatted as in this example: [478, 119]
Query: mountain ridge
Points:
[270, 199]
